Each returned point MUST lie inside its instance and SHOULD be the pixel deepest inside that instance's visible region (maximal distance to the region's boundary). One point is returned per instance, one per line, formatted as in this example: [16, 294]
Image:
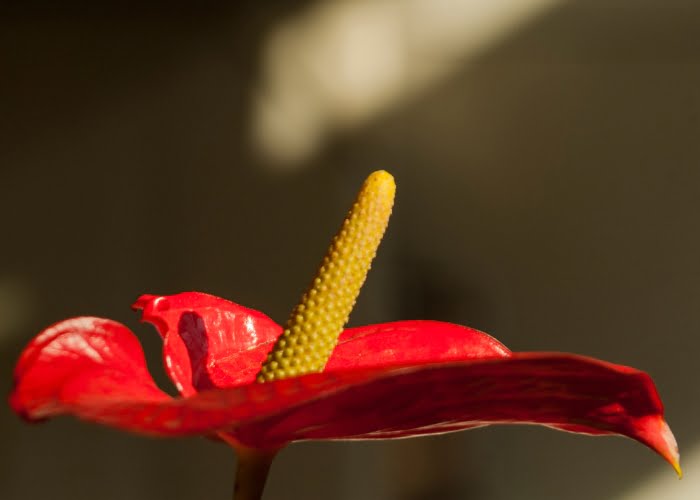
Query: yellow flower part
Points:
[312, 330]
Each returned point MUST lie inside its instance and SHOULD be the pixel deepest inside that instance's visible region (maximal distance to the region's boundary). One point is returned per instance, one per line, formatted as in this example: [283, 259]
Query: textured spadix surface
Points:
[313, 328]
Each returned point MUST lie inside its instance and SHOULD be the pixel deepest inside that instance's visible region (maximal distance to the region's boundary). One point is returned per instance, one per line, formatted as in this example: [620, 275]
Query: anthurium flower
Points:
[259, 386]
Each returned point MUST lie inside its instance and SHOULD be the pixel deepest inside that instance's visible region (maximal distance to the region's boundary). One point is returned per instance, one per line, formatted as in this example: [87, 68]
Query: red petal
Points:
[101, 356]
[211, 342]
[560, 390]
[208, 341]
[94, 369]
[411, 342]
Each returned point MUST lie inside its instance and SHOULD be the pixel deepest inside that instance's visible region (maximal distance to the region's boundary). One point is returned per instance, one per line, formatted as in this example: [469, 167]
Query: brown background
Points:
[548, 194]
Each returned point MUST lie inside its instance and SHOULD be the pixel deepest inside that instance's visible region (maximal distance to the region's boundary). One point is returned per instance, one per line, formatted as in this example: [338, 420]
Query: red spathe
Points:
[383, 381]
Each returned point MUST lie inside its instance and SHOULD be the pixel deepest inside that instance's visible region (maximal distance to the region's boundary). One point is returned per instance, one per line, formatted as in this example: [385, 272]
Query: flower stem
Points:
[252, 467]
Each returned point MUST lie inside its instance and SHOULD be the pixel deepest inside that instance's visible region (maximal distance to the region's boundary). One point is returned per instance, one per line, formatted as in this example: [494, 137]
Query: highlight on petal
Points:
[80, 359]
[655, 433]
[412, 342]
[208, 341]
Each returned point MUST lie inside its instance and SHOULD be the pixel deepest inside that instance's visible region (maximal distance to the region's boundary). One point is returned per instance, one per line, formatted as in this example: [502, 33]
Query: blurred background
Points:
[547, 160]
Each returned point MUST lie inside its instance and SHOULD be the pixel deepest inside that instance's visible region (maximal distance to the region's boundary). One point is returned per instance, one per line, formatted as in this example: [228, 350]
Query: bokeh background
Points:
[547, 157]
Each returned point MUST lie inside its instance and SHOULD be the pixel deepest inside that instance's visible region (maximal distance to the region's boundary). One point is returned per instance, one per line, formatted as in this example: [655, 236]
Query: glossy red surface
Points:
[383, 381]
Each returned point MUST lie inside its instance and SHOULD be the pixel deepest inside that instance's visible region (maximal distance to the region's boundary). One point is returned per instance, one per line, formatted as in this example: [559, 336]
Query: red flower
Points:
[257, 386]
[383, 381]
